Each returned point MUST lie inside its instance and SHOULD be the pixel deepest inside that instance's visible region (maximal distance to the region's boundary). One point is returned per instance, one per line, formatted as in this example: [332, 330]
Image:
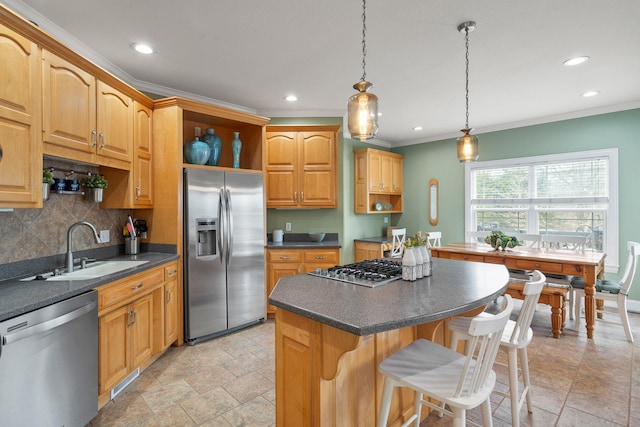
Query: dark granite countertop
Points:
[379, 239]
[302, 240]
[18, 297]
[454, 288]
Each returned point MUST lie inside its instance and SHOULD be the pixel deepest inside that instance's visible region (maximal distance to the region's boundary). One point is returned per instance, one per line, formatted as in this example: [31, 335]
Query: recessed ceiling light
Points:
[417, 128]
[575, 61]
[590, 93]
[291, 98]
[143, 48]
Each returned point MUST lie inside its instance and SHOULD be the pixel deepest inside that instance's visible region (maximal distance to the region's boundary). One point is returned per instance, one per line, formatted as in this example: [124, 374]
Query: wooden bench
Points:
[552, 294]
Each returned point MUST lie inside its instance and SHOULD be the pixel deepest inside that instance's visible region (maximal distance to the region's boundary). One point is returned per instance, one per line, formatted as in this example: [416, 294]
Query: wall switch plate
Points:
[386, 220]
[104, 236]
[287, 226]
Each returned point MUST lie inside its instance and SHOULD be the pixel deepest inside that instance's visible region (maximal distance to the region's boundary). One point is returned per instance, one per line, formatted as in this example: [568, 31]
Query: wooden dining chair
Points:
[575, 243]
[433, 239]
[398, 237]
[609, 290]
[477, 236]
[461, 381]
[516, 337]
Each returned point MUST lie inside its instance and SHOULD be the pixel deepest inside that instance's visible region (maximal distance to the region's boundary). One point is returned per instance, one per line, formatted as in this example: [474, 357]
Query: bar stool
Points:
[461, 381]
[516, 337]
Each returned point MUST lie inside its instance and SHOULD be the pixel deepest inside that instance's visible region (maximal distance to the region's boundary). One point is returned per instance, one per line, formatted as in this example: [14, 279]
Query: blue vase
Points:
[215, 144]
[197, 152]
[236, 146]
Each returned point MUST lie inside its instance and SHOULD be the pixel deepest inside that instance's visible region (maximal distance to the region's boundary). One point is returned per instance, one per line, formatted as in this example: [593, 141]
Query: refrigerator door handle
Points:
[229, 226]
[221, 225]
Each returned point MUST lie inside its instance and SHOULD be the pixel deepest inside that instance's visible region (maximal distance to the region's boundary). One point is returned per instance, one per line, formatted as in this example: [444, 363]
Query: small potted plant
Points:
[47, 180]
[95, 185]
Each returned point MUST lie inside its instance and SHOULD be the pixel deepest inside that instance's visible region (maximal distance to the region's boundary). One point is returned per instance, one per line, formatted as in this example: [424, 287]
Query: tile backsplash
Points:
[34, 233]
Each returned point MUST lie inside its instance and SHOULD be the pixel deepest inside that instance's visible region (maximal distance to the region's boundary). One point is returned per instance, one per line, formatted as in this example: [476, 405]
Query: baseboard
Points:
[633, 305]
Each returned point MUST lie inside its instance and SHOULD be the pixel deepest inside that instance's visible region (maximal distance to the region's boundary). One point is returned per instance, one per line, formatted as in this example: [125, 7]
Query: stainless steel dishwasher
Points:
[49, 365]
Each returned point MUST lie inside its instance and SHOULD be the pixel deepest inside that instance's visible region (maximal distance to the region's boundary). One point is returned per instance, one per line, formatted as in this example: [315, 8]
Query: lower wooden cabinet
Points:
[289, 262]
[363, 251]
[170, 304]
[137, 321]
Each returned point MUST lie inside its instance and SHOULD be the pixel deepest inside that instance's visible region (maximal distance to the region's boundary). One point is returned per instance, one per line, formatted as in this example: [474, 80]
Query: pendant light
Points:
[467, 144]
[362, 109]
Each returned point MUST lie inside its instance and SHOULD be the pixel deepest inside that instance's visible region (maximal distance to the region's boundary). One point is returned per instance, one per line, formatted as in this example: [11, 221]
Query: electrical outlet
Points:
[287, 226]
[386, 220]
[104, 236]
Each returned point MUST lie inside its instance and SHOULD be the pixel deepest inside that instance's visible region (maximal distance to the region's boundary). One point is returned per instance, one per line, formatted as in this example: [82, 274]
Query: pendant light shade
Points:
[363, 112]
[362, 108]
[468, 147]
[467, 144]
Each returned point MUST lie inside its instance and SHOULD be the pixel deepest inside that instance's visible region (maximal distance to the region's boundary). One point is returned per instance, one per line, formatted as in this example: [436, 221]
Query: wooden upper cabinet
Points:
[301, 170]
[377, 179]
[84, 119]
[20, 147]
[143, 161]
[281, 164]
[114, 125]
[133, 189]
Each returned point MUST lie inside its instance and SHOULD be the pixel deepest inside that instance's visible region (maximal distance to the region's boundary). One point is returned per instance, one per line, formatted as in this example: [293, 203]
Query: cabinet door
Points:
[143, 162]
[141, 331]
[386, 173]
[396, 175]
[281, 162]
[114, 126]
[113, 354]
[375, 171]
[274, 272]
[20, 147]
[364, 251]
[317, 169]
[170, 312]
[69, 110]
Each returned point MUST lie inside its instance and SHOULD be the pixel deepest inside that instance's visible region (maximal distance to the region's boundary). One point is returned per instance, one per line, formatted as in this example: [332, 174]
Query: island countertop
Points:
[454, 288]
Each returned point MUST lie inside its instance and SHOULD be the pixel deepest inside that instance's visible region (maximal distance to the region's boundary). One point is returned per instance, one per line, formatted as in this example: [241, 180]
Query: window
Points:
[570, 193]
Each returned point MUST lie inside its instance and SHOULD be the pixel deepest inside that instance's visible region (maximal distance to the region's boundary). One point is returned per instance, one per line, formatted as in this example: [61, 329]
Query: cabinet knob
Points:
[168, 296]
[285, 257]
[172, 272]
[94, 138]
[137, 192]
[135, 288]
[295, 196]
[320, 257]
[302, 196]
[101, 135]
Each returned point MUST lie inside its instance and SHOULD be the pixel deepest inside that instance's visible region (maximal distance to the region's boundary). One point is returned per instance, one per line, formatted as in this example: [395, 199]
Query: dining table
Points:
[587, 264]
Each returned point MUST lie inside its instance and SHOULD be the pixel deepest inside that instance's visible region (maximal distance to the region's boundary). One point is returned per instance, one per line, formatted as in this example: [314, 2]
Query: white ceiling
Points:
[250, 54]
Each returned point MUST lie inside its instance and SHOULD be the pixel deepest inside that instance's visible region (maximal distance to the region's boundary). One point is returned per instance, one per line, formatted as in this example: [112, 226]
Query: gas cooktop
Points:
[371, 273]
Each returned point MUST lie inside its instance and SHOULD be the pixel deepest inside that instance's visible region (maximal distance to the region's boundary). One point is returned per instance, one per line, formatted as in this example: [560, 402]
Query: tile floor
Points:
[230, 381]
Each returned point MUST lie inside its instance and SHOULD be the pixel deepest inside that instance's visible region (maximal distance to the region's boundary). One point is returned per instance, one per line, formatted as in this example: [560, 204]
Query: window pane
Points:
[583, 223]
[572, 179]
[505, 221]
[507, 183]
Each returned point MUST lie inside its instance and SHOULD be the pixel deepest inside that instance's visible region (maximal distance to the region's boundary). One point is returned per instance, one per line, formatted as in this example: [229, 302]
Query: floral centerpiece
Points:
[499, 240]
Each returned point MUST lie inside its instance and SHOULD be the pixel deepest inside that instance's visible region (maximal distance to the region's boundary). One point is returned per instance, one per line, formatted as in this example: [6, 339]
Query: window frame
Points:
[611, 247]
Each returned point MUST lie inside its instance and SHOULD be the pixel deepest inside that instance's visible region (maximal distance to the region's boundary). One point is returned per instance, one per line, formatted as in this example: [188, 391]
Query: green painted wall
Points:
[438, 160]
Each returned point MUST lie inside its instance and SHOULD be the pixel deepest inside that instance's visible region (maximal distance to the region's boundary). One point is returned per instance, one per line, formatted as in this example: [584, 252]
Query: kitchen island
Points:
[331, 336]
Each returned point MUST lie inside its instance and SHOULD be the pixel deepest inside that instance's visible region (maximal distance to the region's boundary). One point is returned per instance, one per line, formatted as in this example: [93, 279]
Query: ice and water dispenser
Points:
[206, 231]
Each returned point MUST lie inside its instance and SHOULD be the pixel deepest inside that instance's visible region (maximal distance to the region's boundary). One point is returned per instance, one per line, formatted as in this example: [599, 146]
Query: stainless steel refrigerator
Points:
[223, 252]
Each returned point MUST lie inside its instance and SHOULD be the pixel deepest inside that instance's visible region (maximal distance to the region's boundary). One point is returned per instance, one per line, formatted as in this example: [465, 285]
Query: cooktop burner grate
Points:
[370, 273]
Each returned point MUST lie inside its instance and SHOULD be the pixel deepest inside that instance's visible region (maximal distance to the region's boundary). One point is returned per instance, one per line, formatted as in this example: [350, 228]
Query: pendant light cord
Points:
[466, 40]
[364, 40]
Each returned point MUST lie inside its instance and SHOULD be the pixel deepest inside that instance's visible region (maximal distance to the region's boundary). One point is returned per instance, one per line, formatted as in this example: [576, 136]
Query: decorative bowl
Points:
[317, 237]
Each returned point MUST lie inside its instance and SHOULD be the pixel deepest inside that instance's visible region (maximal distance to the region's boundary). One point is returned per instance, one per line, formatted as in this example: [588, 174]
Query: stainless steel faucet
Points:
[69, 257]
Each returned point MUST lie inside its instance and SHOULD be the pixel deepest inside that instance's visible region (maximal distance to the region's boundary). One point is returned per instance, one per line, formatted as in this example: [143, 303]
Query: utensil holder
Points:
[131, 246]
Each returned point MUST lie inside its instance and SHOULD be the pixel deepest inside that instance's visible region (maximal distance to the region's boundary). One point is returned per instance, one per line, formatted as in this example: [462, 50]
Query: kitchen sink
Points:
[91, 271]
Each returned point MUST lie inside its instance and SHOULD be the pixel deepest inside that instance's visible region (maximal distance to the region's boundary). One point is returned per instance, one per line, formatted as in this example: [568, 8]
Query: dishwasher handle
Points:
[49, 324]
